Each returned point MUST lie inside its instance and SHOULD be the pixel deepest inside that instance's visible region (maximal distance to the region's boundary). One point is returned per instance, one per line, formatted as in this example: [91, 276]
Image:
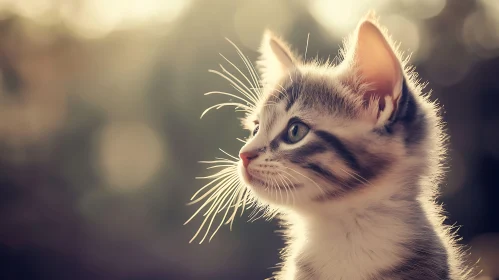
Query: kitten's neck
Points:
[358, 243]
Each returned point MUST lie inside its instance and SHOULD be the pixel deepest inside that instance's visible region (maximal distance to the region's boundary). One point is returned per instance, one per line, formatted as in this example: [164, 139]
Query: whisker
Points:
[285, 187]
[231, 160]
[246, 91]
[214, 209]
[245, 200]
[291, 187]
[357, 176]
[252, 103]
[220, 175]
[228, 94]
[321, 189]
[229, 202]
[232, 82]
[220, 160]
[229, 154]
[277, 187]
[220, 105]
[216, 202]
[306, 48]
[241, 196]
[283, 92]
[220, 165]
[249, 66]
[215, 190]
[239, 139]
[253, 86]
[220, 194]
[252, 69]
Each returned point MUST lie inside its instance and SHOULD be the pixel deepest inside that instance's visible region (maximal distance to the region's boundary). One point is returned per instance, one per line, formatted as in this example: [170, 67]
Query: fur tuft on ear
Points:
[376, 67]
[276, 59]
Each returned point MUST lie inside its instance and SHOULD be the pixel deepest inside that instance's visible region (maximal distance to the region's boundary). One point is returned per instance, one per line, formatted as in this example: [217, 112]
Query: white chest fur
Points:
[347, 245]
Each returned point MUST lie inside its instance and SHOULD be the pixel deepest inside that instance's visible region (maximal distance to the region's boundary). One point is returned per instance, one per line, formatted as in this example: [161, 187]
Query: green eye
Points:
[296, 132]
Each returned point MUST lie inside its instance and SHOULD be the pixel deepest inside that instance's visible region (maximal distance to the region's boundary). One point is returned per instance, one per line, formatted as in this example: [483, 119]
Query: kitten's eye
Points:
[296, 132]
[255, 130]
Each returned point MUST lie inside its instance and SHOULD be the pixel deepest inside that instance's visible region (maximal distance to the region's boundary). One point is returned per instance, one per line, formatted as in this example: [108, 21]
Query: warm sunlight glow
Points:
[424, 9]
[250, 20]
[339, 17]
[405, 31]
[95, 18]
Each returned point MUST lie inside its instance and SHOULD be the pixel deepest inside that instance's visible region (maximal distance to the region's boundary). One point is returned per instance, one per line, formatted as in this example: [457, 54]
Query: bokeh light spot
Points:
[404, 30]
[340, 17]
[250, 20]
[129, 154]
[424, 9]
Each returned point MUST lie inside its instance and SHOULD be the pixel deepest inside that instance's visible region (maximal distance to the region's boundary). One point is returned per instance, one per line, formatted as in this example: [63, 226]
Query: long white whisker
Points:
[227, 206]
[306, 48]
[216, 202]
[219, 161]
[357, 176]
[223, 190]
[245, 200]
[220, 187]
[291, 187]
[277, 187]
[248, 65]
[229, 154]
[228, 79]
[252, 103]
[246, 108]
[228, 94]
[321, 189]
[255, 75]
[239, 139]
[284, 186]
[220, 175]
[219, 203]
[239, 70]
[236, 206]
[248, 92]
[220, 165]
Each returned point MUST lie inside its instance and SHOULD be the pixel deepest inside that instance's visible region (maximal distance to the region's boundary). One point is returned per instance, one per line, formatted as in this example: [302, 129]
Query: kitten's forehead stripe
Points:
[291, 94]
[311, 92]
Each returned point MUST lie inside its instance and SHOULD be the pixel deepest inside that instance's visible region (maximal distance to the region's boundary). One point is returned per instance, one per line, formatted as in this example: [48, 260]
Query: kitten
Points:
[348, 156]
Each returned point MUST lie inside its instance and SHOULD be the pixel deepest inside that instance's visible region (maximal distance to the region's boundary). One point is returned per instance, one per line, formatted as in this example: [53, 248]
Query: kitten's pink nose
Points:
[246, 157]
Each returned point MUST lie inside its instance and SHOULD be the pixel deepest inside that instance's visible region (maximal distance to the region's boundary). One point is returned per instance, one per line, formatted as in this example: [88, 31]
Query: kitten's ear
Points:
[378, 67]
[276, 59]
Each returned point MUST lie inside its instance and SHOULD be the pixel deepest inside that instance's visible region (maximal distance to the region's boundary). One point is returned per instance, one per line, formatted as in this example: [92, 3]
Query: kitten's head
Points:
[324, 133]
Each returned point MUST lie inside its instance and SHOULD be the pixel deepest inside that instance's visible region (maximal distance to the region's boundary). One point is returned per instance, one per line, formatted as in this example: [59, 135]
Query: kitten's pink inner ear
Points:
[378, 65]
[282, 56]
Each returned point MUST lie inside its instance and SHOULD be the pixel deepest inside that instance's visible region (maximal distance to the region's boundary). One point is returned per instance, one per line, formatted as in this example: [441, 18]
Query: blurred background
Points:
[100, 132]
